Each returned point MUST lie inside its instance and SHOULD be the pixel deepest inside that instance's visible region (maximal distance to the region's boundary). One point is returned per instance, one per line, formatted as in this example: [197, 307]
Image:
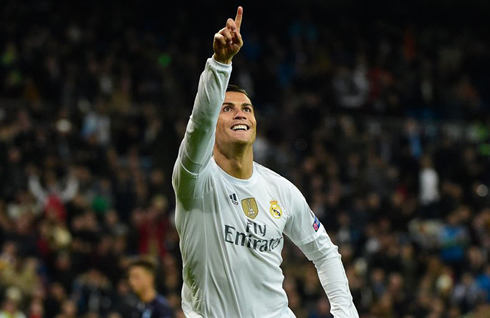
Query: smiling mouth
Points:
[240, 127]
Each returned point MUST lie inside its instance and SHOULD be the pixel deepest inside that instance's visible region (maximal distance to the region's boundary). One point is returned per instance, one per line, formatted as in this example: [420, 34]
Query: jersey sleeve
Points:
[302, 226]
[306, 231]
[197, 146]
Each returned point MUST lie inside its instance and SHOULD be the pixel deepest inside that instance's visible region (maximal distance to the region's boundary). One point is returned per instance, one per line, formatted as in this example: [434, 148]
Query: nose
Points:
[239, 114]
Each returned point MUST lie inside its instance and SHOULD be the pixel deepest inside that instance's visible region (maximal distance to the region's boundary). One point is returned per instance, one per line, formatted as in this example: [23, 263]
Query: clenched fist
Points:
[228, 41]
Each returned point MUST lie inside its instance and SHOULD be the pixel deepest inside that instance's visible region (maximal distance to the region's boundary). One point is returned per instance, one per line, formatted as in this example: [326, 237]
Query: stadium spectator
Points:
[141, 276]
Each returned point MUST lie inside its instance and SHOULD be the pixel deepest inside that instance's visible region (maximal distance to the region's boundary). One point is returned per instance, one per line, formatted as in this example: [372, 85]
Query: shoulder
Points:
[162, 307]
[268, 173]
[274, 178]
[161, 301]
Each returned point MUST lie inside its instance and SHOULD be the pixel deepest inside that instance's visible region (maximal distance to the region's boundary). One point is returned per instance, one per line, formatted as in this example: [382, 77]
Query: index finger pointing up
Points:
[238, 18]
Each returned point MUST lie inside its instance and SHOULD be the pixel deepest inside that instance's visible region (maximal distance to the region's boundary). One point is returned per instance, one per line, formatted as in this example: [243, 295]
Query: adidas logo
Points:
[233, 198]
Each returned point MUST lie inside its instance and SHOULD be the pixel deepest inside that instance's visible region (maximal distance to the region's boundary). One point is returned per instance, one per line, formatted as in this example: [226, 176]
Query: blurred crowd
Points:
[384, 126]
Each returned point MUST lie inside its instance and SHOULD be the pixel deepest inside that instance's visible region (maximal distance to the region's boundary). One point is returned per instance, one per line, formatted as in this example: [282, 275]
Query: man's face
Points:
[139, 279]
[236, 121]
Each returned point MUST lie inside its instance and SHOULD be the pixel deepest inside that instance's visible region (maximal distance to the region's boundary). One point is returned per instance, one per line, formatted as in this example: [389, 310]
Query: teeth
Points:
[239, 127]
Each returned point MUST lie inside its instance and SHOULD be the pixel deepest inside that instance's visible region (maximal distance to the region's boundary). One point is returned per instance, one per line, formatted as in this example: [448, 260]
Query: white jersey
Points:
[231, 230]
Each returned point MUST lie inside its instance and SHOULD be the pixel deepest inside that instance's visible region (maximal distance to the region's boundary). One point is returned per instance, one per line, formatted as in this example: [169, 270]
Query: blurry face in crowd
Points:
[51, 181]
[69, 309]
[236, 121]
[10, 306]
[140, 279]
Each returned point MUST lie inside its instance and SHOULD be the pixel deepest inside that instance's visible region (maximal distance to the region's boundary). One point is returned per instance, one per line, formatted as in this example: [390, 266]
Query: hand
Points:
[228, 41]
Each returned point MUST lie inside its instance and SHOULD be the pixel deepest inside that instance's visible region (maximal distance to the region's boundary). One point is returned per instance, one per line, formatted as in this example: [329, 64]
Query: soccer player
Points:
[141, 276]
[231, 212]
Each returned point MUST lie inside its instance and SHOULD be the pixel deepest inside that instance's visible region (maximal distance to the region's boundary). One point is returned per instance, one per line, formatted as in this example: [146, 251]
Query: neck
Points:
[148, 295]
[237, 162]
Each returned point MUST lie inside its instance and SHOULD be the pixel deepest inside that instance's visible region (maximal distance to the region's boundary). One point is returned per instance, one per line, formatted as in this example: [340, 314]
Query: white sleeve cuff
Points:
[218, 65]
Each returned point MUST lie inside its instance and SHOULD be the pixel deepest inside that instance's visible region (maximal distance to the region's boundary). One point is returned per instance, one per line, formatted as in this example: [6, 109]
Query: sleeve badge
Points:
[316, 224]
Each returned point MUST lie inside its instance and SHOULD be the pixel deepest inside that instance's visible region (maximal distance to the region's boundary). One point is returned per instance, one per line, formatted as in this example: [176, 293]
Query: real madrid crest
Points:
[250, 208]
[275, 209]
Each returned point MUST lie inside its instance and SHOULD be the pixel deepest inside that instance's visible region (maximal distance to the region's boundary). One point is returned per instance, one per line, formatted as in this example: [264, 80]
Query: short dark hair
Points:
[146, 263]
[236, 88]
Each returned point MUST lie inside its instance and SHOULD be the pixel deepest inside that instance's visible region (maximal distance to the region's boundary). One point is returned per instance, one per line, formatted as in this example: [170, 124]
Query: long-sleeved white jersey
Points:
[231, 230]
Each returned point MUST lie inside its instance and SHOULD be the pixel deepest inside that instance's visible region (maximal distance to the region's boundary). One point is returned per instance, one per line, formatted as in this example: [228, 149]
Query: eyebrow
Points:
[233, 104]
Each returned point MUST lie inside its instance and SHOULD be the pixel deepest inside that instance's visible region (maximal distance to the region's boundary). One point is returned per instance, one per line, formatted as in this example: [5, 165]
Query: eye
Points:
[247, 109]
[226, 109]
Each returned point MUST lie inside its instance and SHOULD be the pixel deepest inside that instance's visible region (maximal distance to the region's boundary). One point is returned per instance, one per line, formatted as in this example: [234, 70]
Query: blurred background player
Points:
[141, 276]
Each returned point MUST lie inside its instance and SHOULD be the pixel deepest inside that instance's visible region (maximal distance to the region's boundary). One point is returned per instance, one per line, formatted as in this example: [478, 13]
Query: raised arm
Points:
[197, 146]
[37, 189]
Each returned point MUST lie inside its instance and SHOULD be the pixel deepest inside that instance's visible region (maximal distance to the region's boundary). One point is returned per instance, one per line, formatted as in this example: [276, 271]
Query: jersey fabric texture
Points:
[231, 230]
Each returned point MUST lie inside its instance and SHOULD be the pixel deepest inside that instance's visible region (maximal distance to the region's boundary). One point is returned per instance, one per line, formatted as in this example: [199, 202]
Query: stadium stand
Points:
[383, 123]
